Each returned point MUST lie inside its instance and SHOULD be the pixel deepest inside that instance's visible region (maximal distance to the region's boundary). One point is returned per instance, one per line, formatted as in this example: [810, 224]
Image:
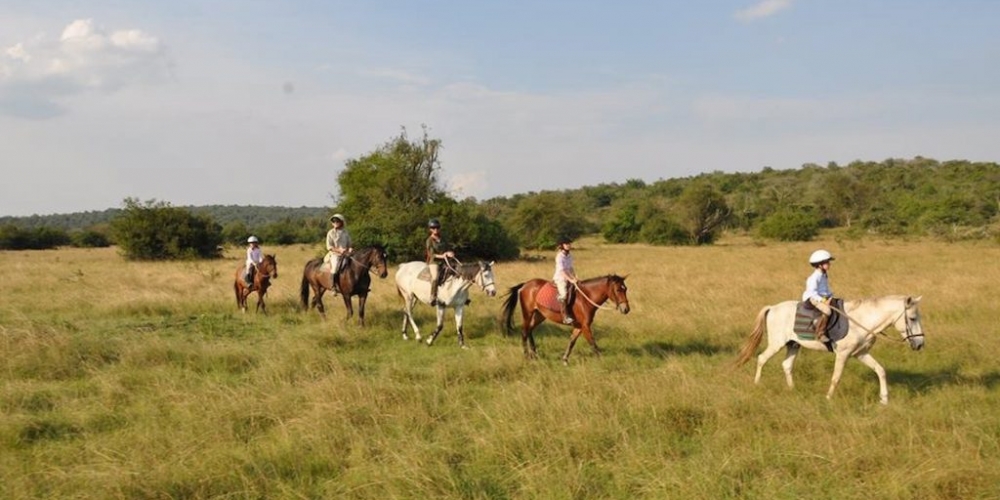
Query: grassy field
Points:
[142, 380]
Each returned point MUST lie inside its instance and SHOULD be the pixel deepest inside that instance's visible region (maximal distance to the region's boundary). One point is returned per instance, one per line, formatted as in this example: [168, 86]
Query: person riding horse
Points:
[254, 258]
[565, 276]
[818, 291]
[338, 246]
[437, 253]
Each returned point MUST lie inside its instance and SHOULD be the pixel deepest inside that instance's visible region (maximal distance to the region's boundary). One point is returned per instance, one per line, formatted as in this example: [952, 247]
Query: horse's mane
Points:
[612, 277]
[469, 270]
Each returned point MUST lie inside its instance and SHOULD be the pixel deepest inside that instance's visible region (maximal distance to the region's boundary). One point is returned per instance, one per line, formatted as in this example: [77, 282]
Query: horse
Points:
[413, 284]
[591, 294]
[267, 269]
[354, 280]
[867, 318]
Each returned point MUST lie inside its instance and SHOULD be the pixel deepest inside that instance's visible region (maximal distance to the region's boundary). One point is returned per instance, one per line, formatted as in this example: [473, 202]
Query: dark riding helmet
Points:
[433, 223]
[563, 239]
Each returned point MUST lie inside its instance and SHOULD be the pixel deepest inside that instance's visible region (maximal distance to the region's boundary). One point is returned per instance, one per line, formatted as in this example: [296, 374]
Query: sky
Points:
[261, 102]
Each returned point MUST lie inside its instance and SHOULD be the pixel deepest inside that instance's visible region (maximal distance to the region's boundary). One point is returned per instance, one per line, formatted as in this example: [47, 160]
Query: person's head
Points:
[253, 241]
[434, 226]
[820, 258]
[337, 220]
[564, 243]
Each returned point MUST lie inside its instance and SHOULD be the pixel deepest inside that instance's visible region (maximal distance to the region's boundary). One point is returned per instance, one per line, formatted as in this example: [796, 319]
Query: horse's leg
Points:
[572, 341]
[349, 305]
[440, 323]
[589, 335]
[361, 308]
[318, 302]
[260, 303]
[838, 370]
[789, 362]
[883, 387]
[771, 350]
[411, 301]
[458, 325]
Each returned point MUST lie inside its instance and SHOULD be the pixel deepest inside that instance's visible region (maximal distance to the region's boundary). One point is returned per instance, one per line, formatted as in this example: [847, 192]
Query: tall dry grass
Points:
[142, 380]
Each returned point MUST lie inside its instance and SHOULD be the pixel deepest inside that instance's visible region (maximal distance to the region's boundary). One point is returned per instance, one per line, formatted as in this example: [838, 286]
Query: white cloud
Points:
[39, 76]
[760, 10]
[396, 75]
[468, 184]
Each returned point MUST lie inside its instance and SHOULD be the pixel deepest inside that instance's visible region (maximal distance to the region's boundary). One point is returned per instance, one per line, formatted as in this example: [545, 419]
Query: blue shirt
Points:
[817, 286]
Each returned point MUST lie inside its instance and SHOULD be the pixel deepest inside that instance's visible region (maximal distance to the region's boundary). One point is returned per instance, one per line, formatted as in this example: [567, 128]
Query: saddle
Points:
[806, 316]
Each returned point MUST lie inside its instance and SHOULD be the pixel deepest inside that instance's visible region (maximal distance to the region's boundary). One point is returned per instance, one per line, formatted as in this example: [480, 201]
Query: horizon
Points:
[196, 103]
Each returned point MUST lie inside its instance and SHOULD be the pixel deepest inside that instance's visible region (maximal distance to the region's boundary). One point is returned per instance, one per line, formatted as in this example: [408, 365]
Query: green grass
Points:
[142, 380]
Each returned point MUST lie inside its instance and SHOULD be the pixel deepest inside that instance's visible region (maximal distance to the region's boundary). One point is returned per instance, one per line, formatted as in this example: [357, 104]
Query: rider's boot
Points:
[821, 324]
[335, 283]
[434, 293]
[567, 316]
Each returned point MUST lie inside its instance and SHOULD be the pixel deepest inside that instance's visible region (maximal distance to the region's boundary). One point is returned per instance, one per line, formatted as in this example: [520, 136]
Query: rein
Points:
[604, 307]
[458, 263]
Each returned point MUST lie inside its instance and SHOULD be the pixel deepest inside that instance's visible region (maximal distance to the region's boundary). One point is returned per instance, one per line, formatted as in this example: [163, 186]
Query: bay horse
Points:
[267, 269]
[354, 280]
[867, 318]
[413, 284]
[539, 303]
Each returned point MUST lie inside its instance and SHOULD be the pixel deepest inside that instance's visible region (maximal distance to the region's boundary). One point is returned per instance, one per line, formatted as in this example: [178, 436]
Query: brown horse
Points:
[538, 303]
[354, 278]
[267, 269]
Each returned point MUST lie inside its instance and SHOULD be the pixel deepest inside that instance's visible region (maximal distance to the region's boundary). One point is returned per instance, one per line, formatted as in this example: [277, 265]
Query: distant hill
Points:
[252, 216]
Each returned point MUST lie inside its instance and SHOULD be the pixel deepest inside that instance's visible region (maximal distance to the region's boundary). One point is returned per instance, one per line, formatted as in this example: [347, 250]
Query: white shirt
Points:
[817, 286]
[564, 266]
[254, 256]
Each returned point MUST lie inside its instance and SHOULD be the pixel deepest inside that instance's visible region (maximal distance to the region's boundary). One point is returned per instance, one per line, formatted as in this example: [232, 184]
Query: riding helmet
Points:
[338, 217]
[563, 239]
[433, 223]
[819, 257]
[253, 239]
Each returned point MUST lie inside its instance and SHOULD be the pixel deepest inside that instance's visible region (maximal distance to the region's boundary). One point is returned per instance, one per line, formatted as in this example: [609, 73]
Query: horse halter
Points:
[482, 274]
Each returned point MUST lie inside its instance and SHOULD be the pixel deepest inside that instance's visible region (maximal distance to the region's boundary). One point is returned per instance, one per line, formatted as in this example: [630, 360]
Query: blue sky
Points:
[261, 102]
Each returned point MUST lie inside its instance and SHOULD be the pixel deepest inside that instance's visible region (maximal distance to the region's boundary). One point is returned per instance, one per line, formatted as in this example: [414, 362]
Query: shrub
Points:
[158, 231]
[789, 225]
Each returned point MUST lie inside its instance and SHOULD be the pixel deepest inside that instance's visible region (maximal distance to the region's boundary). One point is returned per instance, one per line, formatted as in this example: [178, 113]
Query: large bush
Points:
[13, 237]
[789, 225]
[157, 231]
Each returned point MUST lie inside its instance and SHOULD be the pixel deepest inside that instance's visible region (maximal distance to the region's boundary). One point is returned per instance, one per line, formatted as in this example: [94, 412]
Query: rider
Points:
[818, 291]
[254, 257]
[437, 254]
[338, 245]
[563, 277]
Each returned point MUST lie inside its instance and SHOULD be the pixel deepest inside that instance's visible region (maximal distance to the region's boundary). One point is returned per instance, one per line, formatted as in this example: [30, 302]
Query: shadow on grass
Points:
[663, 349]
[922, 382]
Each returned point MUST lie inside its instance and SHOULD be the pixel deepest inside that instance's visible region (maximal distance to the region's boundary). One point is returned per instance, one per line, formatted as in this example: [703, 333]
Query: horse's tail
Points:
[508, 307]
[750, 347]
[304, 287]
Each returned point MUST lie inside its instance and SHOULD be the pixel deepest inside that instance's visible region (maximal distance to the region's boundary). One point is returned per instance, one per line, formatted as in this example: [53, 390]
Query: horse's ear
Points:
[913, 300]
[492, 263]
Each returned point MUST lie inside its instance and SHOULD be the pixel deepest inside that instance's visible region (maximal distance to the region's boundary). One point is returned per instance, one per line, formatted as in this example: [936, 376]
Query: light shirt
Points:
[564, 266]
[338, 240]
[254, 256]
[817, 286]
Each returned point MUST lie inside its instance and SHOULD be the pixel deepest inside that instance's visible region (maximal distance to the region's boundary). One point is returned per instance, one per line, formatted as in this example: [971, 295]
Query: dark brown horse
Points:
[353, 280]
[538, 303]
[267, 269]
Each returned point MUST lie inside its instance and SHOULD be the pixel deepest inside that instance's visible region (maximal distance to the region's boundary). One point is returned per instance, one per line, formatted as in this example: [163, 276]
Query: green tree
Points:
[389, 195]
[158, 231]
[538, 221]
[701, 210]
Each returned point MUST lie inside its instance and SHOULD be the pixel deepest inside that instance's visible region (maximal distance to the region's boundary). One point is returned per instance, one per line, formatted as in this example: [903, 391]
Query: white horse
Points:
[413, 284]
[867, 318]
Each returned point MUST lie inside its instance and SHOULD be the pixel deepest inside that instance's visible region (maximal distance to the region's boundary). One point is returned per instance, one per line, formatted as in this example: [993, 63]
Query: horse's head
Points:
[485, 280]
[618, 293]
[268, 267]
[379, 259]
[909, 325]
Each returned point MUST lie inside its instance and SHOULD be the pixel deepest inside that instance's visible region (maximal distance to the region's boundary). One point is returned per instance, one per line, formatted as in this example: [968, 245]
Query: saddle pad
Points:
[805, 313]
[425, 274]
[548, 296]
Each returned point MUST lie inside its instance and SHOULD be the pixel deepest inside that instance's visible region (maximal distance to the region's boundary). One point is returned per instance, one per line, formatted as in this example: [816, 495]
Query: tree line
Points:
[389, 194]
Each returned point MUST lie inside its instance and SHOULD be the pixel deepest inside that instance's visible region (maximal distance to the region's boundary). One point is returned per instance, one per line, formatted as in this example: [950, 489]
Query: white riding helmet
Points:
[819, 256]
[338, 217]
[253, 239]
